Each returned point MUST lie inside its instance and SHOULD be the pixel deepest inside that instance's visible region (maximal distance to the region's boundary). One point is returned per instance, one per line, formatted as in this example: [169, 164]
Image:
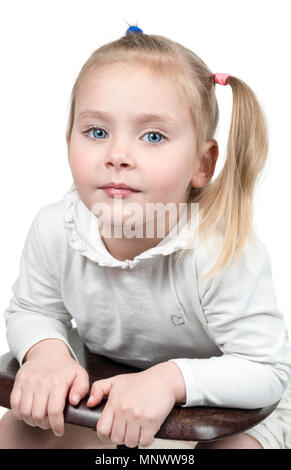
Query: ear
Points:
[206, 164]
[68, 145]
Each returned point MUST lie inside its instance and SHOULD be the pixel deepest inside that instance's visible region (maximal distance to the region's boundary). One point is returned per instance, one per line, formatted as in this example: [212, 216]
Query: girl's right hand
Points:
[42, 384]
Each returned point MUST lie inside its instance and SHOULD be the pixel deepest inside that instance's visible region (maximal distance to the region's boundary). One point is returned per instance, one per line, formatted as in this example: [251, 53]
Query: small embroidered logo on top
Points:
[177, 320]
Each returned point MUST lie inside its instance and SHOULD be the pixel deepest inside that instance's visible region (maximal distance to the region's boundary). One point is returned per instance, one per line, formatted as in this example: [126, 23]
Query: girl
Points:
[198, 315]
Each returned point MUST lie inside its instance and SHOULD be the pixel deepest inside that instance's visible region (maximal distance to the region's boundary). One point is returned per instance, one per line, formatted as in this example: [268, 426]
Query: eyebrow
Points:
[138, 119]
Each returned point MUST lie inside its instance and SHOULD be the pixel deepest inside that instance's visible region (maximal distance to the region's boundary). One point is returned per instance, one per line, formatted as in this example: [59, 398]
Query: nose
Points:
[117, 164]
[119, 160]
[119, 153]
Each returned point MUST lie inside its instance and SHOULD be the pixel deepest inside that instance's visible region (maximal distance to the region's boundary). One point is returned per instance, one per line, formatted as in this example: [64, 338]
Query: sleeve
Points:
[243, 320]
[36, 310]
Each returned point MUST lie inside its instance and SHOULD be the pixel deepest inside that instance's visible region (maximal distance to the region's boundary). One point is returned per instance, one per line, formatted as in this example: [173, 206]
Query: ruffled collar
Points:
[83, 234]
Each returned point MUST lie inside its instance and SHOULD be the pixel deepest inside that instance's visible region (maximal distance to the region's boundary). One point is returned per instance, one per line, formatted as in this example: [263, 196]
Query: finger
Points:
[132, 433]
[147, 436]
[99, 389]
[39, 410]
[118, 429]
[56, 405]
[26, 405]
[95, 397]
[15, 399]
[30, 422]
[105, 422]
[80, 387]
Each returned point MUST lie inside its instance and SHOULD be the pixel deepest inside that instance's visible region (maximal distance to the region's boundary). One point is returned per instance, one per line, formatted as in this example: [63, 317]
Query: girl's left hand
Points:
[136, 407]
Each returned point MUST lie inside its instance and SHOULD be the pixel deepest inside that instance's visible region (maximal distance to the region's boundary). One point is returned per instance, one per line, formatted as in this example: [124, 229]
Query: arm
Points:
[174, 378]
[36, 311]
[242, 317]
[50, 343]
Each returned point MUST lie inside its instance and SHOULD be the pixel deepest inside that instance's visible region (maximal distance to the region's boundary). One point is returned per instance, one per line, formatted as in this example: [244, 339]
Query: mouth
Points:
[123, 192]
[119, 186]
[118, 189]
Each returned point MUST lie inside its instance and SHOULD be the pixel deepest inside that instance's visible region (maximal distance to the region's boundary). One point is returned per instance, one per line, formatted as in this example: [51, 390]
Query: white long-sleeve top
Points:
[226, 334]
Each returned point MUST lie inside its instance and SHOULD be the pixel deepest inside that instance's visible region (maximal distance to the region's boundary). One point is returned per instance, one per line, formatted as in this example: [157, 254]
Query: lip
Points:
[119, 192]
[119, 186]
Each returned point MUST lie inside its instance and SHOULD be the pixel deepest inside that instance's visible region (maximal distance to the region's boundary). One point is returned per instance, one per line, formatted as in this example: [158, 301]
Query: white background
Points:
[43, 47]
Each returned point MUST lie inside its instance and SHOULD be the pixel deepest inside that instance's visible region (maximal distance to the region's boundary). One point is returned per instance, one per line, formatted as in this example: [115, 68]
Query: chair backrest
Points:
[187, 424]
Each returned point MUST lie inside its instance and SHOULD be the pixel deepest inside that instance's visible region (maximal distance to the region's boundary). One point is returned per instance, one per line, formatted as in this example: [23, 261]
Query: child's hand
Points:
[42, 383]
[137, 405]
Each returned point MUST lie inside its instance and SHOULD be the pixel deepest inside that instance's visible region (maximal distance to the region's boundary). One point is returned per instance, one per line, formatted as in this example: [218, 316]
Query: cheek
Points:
[169, 183]
[81, 166]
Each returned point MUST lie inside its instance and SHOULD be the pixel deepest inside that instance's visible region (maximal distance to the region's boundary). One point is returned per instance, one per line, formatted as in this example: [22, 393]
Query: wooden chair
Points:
[186, 424]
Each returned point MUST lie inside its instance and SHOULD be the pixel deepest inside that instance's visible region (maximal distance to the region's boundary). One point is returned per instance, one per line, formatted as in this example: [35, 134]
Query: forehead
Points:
[132, 90]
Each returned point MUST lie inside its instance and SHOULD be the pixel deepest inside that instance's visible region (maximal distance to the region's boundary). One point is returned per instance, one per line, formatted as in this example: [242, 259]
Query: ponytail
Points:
[226, 203]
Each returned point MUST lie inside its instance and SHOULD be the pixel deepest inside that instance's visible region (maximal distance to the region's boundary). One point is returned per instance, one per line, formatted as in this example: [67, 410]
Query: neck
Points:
[124, 248]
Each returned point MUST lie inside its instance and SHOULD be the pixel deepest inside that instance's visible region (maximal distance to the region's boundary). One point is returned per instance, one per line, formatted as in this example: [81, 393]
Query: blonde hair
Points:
[226, 203]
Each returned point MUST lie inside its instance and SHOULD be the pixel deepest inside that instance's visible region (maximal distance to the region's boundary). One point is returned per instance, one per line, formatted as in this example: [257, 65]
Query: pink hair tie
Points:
[221, 78]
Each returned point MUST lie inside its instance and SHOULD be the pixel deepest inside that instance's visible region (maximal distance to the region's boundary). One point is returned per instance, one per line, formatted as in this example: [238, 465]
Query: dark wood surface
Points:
[191, 423]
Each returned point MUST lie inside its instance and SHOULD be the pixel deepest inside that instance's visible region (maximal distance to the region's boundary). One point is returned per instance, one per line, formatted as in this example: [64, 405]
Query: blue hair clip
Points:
[134, 28]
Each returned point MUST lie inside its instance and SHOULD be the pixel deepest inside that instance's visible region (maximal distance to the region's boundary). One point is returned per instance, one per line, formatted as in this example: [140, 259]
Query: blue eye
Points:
[153, 133]
[98, 130]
